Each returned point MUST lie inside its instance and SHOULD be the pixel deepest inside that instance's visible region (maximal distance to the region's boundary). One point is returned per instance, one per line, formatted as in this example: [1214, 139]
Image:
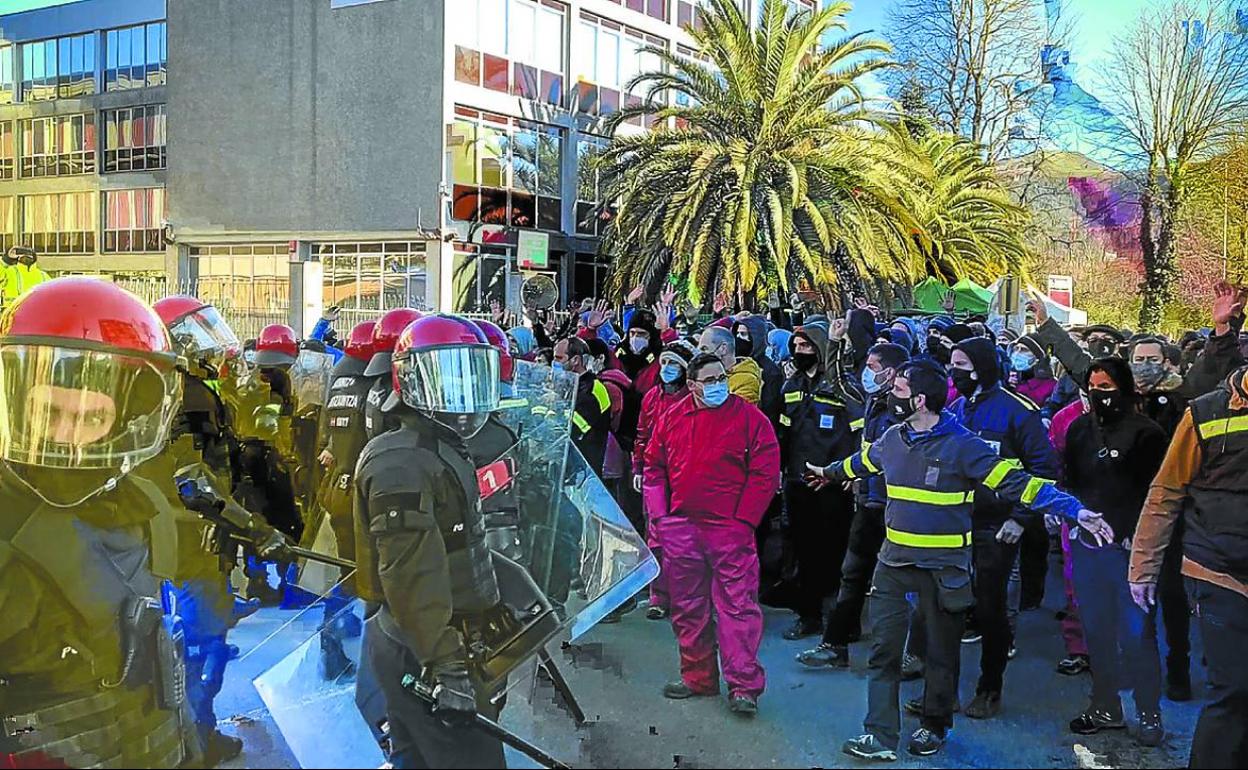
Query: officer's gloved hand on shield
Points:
[454, 697]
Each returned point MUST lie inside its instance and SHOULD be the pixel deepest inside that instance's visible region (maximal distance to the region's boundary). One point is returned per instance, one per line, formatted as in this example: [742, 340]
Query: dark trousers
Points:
[819, 525]
[890, 620]
[1221, 738]
[866, 535]
[1122, 638]
[1176, 614]
[993, 562]
[1033, 567]
[418, 739]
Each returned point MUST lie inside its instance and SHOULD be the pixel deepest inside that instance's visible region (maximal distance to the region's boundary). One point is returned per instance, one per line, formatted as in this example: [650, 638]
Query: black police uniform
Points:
[422, 555]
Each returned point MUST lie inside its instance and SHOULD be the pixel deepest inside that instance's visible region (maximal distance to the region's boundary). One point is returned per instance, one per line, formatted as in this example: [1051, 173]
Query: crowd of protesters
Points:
[922, 468]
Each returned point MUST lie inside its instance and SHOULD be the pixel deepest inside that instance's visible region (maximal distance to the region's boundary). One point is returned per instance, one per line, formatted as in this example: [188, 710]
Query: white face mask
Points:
[638, 344]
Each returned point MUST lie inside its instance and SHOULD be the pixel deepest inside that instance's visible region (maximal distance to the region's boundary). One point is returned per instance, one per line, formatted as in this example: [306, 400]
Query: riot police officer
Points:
[494, 453]
[343, 438]
[202, 434]
[90, 670]
[418, 512]
[385, 335]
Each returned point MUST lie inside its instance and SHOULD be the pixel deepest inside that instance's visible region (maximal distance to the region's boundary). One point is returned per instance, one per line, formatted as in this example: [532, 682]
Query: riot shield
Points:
[310, 377]
[575, 558]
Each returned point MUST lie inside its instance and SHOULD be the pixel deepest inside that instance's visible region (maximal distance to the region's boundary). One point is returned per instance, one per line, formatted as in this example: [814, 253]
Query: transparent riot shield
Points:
[568, 558]
[310, 377]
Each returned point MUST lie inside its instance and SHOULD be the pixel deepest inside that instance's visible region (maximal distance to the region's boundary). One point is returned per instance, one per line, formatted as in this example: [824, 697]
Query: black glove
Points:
[454, 697]
[267, 541]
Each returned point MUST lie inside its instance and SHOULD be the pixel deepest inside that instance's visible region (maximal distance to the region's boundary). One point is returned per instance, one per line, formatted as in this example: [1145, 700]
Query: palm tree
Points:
[771, 165]
[969, 227]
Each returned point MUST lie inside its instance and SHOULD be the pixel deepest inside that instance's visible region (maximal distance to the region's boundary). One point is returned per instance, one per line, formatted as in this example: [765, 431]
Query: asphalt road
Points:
[617, 672]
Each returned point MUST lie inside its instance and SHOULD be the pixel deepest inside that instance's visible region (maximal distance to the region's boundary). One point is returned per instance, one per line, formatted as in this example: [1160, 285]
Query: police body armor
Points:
[1216, 518]
[376, 421]
[344, 438]
[91, 671]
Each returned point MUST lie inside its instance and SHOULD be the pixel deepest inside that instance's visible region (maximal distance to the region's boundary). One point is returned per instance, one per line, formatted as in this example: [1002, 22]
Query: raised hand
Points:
[636, 294]
[599, 314]
[497, 311]
[721, 302]
[1038, 309]
[1228, 303]
[662, 314]
[668, 295]
[950, 301]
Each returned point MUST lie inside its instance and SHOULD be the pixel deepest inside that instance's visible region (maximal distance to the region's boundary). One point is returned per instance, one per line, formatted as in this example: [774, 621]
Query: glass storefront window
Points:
[366, 279]
[504, 170]
[249, 284]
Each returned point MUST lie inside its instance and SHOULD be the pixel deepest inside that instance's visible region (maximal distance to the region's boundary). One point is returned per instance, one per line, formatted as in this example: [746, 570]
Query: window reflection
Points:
[591, 215]
[60, 223]
[504, 170]
[511, 46]
[135, 139]
[134, 220]
[136, 57]
[611, 56]
[62, 145]
[8, 223]
[8, 150]
[7, 86]
[364, 279]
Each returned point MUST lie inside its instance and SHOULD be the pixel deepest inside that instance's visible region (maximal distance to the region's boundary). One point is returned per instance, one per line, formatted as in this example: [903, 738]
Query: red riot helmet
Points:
[88, 380]
[445, 367]
[199, 334]
[276, 347]
[386, 336]
[360, 341]
[498, 338]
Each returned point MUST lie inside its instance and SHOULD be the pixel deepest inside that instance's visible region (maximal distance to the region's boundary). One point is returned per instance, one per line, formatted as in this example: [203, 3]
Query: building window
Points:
[654, 8]
[8, 150]
[504, 171]
[134, 220]
[60, 223]
[135, 139]
[7, 91]
[248, 283]
[591, 216]
[511, 46]
[59, 68]
[365, 279]
[611, 55]
[8, 224]
[135, 57]
[62, 145]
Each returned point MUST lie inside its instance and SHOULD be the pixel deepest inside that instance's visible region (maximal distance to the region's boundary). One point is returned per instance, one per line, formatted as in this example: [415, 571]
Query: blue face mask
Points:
[671, 373]
[1022, 362]
[715, 395]
[871, 382]
[558, 367]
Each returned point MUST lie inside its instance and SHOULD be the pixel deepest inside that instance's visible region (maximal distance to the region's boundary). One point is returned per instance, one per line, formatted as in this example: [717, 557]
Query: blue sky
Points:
[13, 6]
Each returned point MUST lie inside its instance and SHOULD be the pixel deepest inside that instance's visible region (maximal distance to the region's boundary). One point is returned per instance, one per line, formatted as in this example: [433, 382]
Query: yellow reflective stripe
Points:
[513, 403]
[913, 495]
[1215, 428]
[1033, 489]
[784, 420]
[848, 467]
[792, 397]
[601, 394]
[1000, 471]
[828, 401]
[543, 410]
[866, 461]
[858, 424]
[915, 540]
[580, 422]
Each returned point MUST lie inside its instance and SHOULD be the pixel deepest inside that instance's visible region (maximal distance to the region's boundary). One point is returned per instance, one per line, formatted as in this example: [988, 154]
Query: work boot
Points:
[680, 691]
[802, 629]
[743, 705]
[1094, 720]
[1151, 731]
[911, 667]
[219, 749]
[971, 636]
[986, 705]
[825, 656]
[656, 613]
[868, 747]
[925, 742]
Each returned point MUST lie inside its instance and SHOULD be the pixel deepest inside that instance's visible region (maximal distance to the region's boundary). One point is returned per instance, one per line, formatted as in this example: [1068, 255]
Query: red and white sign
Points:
[494, 477]
[1062, 290]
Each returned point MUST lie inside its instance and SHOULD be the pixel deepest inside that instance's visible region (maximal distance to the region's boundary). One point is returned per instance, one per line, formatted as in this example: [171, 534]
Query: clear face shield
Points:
[205, 340]
[457, 385]
[84, 409]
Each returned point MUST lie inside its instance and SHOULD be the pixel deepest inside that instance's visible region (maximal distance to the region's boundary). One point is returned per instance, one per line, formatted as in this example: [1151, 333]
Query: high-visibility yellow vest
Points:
[19, 279]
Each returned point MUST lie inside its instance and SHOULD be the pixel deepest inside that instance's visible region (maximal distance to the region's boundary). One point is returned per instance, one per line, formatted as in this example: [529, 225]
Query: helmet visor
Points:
[454, 379]
[79, 408]
[203, 331]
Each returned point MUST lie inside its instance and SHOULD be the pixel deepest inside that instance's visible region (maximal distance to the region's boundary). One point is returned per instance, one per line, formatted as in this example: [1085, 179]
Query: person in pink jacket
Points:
[1076, 660]
[674, 362]
[712, 467]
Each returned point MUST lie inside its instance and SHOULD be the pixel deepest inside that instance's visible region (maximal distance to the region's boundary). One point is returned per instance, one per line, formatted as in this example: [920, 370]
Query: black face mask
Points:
[964, 382]
[805, 361]
[1102, 348]
[938, 350]
[1108, 405]
[901, 408]
[744, 348]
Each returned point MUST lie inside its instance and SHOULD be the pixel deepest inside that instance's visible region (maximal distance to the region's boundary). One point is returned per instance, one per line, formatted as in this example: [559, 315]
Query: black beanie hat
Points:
[958, 332]
[983, 355]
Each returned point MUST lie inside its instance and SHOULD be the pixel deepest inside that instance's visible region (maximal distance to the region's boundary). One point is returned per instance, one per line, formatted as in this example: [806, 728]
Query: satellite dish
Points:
[539, 292]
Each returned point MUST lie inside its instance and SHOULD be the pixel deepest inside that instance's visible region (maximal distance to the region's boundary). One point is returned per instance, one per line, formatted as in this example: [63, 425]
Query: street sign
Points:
[1062, 290]
[533, 250]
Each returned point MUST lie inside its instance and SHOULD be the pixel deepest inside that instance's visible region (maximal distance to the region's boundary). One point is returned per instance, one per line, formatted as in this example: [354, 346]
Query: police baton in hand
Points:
[422, 690]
